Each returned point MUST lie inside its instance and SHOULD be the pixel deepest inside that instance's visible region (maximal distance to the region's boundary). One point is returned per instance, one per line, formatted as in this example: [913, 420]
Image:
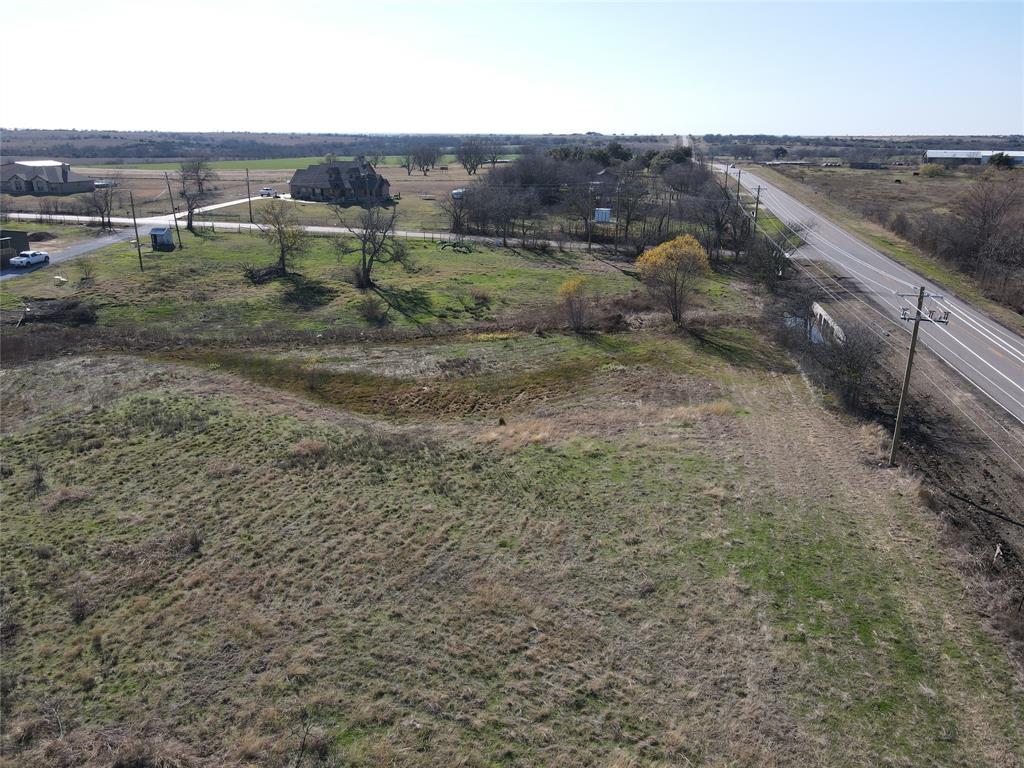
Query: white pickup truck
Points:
[28, 258]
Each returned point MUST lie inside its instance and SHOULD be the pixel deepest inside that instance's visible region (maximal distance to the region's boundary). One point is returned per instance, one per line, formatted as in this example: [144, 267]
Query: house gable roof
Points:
[321, 175]
[50, 173]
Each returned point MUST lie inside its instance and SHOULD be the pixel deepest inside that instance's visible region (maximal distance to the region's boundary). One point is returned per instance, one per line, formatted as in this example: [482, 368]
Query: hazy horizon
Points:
[823, 69]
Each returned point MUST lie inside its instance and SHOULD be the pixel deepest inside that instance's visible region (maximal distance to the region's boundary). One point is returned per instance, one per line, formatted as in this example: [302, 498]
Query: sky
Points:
[527, 67]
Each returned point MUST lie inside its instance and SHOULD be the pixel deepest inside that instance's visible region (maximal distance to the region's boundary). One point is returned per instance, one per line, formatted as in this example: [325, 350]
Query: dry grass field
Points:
[481, 545]
[635, 565]
[893, 189]
[149, 189]
[419, 207]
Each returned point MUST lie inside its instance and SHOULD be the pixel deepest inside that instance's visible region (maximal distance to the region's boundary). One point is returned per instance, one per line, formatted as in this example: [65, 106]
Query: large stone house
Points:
[42, 177]
[347, 183]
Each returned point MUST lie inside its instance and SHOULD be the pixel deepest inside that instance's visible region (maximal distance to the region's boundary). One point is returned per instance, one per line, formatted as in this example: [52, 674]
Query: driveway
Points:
[73, 251]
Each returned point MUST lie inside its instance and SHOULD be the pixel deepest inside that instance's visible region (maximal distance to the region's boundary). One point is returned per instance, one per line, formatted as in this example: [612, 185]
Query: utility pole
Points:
[739, 175]
[248, 194]
[757, 203]
[174, 213]
[138, 243]
[918, 317]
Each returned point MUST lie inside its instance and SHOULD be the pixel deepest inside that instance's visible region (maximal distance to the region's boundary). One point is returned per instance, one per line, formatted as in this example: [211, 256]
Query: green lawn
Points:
[201, 290]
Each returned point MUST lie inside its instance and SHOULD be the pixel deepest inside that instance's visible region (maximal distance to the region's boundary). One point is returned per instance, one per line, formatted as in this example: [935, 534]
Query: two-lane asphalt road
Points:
[984, 352]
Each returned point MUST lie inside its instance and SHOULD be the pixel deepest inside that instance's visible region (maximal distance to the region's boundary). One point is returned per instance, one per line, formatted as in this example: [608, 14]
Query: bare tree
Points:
[199, 174]
[457, 212]
[101, 203]
[374, 233]
[630, 196]
[578, 206]
[471, 155]
[849, 360]
[280, 227]
[492, 153]
[425, 157]
[195, 178]
[194, 200]
[408, 161]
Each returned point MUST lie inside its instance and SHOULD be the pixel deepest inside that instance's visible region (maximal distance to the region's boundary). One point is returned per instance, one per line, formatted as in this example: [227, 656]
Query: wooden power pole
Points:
[174, 213]
[135, 223]
[757, 203]
[248, 194]
[918, 318]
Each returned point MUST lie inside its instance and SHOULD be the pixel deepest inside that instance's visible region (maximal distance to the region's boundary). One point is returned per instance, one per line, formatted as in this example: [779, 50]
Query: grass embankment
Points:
[201, 290]
[639, 567]
[830, 204]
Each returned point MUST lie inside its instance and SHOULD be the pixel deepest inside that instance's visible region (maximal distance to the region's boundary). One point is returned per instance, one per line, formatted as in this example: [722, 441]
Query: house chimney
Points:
[64, 168]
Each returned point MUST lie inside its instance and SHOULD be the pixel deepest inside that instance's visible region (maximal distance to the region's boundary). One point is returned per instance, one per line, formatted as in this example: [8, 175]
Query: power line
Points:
[935, 341]
[884, 338]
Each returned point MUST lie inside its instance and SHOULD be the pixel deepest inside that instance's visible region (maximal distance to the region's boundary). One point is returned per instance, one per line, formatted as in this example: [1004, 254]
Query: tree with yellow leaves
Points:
[573, 294]
[671, 271]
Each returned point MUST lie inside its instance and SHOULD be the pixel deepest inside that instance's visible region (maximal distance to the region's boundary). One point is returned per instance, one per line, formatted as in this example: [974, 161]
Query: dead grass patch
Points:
[519, 433]
[66, 496]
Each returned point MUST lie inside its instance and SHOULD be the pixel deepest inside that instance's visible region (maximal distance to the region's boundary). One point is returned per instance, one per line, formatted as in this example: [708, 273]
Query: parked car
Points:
[268, 192]
[28, 258]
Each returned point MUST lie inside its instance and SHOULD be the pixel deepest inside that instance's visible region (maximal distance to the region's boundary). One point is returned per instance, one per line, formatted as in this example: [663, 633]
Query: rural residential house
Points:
[42, 177]
[353, 183]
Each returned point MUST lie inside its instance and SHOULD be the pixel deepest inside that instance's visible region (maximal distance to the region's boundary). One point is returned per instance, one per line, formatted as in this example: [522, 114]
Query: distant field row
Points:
[268, 164]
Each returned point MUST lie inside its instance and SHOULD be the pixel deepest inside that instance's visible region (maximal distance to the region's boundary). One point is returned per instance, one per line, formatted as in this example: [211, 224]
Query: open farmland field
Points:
[150, 191]
[873, 192]
[635, 565]
[276, 163]
[419, 208]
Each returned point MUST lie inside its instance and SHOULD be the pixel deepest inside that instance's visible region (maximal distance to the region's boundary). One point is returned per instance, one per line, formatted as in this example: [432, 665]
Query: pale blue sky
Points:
[303, 65]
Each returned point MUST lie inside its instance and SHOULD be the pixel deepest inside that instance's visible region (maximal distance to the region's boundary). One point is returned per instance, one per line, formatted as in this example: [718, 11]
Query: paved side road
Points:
[72, 251]
[984, 352]
[233, 226]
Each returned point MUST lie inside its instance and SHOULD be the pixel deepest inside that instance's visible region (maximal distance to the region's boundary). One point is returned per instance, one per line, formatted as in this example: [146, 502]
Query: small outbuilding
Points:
[162, 238]
[12, 242]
